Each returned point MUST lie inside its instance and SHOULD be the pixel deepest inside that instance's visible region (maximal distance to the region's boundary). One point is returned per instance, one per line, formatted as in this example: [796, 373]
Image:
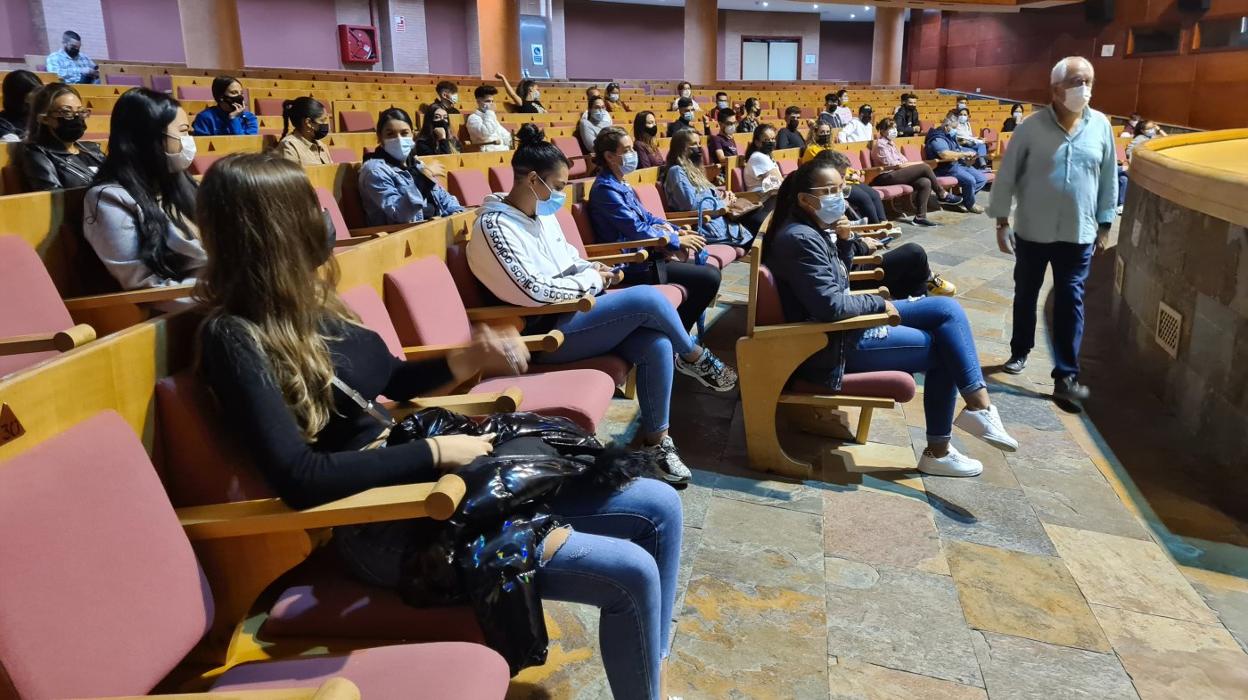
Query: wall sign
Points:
[400, 23]
[811, 59]
[538, 53]
[1107, 50]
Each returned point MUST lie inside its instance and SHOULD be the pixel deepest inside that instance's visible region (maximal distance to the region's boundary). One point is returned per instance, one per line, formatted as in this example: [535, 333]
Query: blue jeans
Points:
[639, 325]
[622, 557]
[934, 338]
[1071, 262]
[969, 179]
[1122, 186]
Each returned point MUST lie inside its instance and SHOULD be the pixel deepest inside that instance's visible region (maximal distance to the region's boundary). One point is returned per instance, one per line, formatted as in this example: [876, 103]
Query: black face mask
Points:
[823, 139]
[322, 130]
[767, 147]
[793, 123]
[72, 53]
[695, 156]
[69, 129]
[651, 130]
[441, 124]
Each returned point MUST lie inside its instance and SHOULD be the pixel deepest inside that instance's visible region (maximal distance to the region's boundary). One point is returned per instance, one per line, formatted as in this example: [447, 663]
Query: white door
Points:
[754, 60]
[782, 60]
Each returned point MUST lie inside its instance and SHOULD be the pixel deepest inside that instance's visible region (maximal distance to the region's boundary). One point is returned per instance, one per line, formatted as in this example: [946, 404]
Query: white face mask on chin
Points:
[1077, 98]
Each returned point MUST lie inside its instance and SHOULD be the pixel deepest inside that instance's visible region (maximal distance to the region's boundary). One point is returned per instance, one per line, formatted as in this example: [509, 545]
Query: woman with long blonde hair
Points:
[687, 188]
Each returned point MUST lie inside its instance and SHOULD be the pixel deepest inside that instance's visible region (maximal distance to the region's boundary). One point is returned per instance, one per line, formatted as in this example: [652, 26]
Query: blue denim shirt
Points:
[1066, 184]
[392, 194]
[683, 196]
[214, 122]
[71, 70]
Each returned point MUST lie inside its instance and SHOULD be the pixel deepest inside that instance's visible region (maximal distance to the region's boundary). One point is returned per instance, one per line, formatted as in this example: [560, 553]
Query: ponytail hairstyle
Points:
[295, 111]
[137, 162]
[787, 208]
[607, 141]
[534, 154]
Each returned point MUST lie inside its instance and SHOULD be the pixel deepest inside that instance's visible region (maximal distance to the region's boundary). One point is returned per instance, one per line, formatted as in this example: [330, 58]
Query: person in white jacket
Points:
[518, 251]
[484, 129]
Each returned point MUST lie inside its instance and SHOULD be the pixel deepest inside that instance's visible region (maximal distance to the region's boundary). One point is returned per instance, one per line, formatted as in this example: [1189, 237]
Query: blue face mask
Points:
[629, 164]
[399, 148]
[831, 208]
[547, 207]
[687, 116]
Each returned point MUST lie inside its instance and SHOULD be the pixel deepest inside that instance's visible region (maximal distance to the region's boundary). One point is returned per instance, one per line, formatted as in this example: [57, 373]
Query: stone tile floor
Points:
[1090, 564]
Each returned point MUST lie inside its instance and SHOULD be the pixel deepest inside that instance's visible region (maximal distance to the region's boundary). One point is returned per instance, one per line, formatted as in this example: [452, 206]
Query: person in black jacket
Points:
[907, 116]
[283, 355]
[435, 137]
[788, 136]
[17, 87]
[809, 250]
[52, 156]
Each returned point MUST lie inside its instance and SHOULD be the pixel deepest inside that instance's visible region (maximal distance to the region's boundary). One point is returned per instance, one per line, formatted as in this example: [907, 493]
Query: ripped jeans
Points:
[622, 557]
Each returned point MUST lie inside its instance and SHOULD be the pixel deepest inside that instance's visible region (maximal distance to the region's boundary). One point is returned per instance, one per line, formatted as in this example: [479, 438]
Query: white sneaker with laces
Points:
[954, 463]
[668, 465]
[986, 425]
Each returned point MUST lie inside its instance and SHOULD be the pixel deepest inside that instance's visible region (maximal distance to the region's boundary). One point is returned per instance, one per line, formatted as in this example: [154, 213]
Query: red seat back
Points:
[471, 291]
[124, 79]
[355, 120]
[571, 148]
[502, 178]
[202, 162]
[269, 106]
[195, 92]
[567, 224]
[767, 309]
[863, 156]
[367, 304]
[468, 186]
[97, 568]
[913, 152]
[340, 154]
[786, 166]
[326, 199]
[580, 214]
[424, 304]
[650, 199]
[34, 305]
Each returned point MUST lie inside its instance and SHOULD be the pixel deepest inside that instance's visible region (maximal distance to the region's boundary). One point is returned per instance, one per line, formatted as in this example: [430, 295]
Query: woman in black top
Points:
[525, 98]
[1012, 122]
[51, 156]
[435, 137]
[17, 87]
[277, 336]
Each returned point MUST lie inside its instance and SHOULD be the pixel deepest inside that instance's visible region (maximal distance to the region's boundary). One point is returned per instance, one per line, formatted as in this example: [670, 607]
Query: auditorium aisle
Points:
[1042, 578]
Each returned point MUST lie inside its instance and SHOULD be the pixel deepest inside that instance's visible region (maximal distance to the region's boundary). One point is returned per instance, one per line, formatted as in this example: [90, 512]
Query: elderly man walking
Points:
[1062, 169]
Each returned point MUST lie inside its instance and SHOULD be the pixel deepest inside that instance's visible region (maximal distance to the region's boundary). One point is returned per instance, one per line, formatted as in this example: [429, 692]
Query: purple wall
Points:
[289, 33]
[16, 32]
[143, 30]
[608, 40]
[447, 21]
[845, 50]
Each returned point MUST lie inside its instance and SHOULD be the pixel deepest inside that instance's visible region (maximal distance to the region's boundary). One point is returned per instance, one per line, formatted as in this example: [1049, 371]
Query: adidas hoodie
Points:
[525, 260]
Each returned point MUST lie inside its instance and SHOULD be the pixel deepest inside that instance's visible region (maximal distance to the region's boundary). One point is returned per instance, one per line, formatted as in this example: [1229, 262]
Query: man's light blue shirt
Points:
[1066, 184]
[71, 70]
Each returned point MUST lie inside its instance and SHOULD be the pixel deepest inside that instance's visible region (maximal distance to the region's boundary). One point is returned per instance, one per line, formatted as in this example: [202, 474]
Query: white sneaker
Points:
[954, 463]
[986, 425]
[668, 465]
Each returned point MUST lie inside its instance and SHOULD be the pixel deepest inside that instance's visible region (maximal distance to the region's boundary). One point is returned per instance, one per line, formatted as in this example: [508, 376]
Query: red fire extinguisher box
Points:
[358, 43]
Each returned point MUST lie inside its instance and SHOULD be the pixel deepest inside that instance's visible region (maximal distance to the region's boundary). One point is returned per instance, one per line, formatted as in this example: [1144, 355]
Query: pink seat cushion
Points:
[96, 567]
[468, 186]
[326, 199]
[580, 214]
[580, 395]
[202, 163]
[898, 386]
[567, 224]
[471, 291]
[195, 92]
[354, 120]
[340, 154]
[424, 305]
[738, 179]
[613, 366]
[571, 148]
[269, 106]
[119, 79]
[768, 311]
[367, 304]
[649, 196]
[891, 191]
[448, 670]
[502, 177]
[40, 310]
[218, 470]
[947, 181]
[723, 254]
[787, 166]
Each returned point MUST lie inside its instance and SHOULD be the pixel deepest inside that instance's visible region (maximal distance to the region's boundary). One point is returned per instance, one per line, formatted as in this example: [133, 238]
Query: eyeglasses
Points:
[70, 114]
[842, 190]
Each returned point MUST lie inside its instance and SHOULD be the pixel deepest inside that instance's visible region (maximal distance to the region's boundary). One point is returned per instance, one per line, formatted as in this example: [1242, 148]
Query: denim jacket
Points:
[682, 196]
[393, 194]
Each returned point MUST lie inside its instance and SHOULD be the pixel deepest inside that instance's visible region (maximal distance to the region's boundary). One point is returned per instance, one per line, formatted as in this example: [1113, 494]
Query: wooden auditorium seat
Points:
[468, 185]
[116, 587]
[502, 178]
[718, 254]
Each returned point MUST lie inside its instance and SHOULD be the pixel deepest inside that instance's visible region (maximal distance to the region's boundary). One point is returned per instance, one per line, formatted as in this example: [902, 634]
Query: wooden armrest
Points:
[61, 341]
[378, 231]
[494, 313]
[849, 324]
[336, 688]
[623, 258]
[870, 174]
[353, 241]
[934, 163]
[868, 260]
[677, 216]
[608, 248]
[873, 275]
[535, 343]
[267, 515]
[483, 404]
[878, 291]
[137, 296]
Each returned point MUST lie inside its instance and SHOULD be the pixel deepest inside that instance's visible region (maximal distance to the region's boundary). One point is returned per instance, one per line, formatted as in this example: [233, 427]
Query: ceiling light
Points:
[852, 15]
[764, 4]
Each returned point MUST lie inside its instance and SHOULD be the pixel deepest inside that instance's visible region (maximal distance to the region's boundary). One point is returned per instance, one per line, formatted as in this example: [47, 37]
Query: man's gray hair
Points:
[1058, 75]
[949, 120]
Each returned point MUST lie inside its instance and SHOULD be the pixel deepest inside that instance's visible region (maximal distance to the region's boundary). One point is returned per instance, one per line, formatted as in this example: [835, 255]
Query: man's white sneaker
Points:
[668, 465]
[954, 463]
[986, 425]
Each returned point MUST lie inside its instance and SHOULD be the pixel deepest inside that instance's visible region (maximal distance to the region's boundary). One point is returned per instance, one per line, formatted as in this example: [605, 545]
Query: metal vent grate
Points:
[1119, 270]
[1169, 329]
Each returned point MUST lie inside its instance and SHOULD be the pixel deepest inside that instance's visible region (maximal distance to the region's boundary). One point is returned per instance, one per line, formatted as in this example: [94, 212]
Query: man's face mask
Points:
[793, 122]
[72, 51]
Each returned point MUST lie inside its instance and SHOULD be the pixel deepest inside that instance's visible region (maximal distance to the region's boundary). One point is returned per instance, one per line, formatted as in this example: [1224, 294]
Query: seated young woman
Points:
[762, 173]
[140, 217]
[394, 187]
[305, 123]
[14, 107]
[276, 341]
[618, 215]
[229, 116]
[51, 156]
[518, 251]
[435, 137]
[808, 251]
[645, 133]
[898, 170]
[686, 186]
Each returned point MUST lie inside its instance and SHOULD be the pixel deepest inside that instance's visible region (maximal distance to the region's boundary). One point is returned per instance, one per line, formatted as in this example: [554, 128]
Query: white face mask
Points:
[686, 93]
[1077, 98]
[455, 98]
[892, 134]
[1150, 133]
[535, 95]
[962, 119]
[182, 160]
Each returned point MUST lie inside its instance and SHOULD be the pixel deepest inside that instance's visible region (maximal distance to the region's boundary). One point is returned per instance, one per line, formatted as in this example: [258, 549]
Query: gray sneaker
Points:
[710, 371]
[667, 463]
